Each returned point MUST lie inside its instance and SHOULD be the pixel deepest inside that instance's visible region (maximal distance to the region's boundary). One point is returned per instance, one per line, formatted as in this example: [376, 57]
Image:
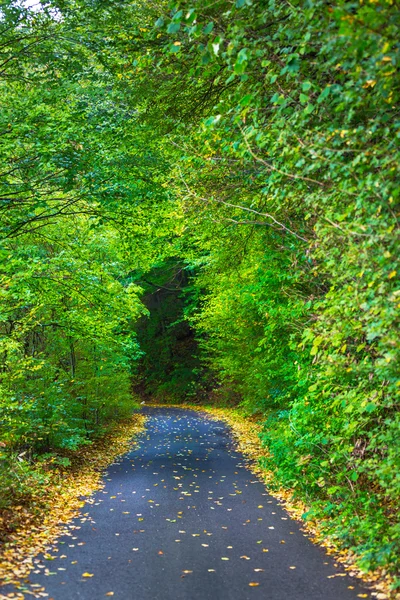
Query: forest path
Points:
[180, 517]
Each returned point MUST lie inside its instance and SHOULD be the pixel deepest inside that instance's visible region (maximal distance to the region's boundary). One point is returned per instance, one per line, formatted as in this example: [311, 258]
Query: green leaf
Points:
[173, 27]
[309, 109]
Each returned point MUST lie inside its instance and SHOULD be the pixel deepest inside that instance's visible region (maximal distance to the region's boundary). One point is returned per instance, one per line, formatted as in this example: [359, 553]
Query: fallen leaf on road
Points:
[253, 584]
[87, 574]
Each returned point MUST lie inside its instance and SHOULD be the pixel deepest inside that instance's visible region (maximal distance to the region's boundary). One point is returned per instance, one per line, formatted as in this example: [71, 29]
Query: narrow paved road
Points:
[180, 518]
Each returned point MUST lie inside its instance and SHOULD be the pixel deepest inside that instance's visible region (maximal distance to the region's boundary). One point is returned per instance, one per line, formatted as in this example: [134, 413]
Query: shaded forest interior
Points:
[170, 366]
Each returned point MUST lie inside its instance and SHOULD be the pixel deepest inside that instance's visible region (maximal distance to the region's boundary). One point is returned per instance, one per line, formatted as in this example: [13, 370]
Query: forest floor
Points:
[31, 526]
[181, 515]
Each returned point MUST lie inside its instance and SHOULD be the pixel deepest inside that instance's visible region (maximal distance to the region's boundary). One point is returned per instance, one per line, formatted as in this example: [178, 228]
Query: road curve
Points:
[182, 518]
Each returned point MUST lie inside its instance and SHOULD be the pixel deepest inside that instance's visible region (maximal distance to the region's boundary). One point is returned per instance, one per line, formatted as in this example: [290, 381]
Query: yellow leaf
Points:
[253, 584]
[392, 274]
[110, 594]
[87, 574]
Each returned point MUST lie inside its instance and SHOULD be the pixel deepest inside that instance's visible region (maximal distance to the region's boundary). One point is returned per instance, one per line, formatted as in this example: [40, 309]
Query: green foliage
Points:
[246, 321]
[286, 173]
[67, 339]
[252, 148]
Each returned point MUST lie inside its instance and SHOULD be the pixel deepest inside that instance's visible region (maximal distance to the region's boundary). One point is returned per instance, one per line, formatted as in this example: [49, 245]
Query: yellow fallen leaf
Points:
[186, 572]
[245, 557]
[253, 584]
[110, 594]
[87, 574]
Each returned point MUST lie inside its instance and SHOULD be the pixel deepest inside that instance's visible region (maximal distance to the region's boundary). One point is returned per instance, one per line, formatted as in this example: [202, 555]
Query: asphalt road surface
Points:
[182, 518]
